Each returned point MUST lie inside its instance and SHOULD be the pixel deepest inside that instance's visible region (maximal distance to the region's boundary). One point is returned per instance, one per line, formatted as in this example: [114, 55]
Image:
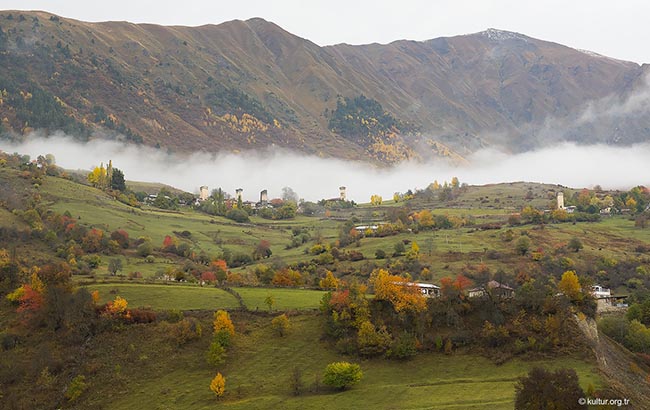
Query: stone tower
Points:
[342, 193]
[264, 196]
[238, 194]
[560, 200]
[203, 193]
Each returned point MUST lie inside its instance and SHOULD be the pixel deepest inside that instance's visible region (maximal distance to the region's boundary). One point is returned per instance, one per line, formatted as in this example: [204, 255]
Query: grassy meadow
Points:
[260, 364]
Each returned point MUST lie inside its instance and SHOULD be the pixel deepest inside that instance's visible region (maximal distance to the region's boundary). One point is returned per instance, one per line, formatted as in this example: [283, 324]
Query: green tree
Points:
[575, 244]
[543, 389]
[269, 301]
[117, 180]
[114, 266]
[522, 246]
[341, 375]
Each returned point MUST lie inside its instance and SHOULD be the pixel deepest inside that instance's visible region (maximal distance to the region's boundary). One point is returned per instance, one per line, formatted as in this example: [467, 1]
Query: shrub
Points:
[216, 353]
[76, 388]
[281, 324]
[341, 375]
[372, 342]
[404, 347]
[186, 330]
[145, 249]
[238, 215]
[143, 316]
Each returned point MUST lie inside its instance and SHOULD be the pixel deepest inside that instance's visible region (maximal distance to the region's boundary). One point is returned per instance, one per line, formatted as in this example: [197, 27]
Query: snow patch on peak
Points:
[502, 35]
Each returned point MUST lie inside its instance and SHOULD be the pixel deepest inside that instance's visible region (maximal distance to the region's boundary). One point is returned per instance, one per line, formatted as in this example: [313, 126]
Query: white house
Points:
[427, 289]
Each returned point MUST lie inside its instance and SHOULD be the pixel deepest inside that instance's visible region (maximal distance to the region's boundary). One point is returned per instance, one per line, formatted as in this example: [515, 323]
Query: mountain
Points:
[250, 84]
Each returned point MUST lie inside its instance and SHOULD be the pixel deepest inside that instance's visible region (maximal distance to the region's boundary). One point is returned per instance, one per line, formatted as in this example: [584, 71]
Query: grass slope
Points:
[167, 297]
[285, 299]
[259, 365]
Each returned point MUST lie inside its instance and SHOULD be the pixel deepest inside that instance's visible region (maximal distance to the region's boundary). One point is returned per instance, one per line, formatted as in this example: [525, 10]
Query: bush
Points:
[185, 331]
[404, 347]
[216, 354]
[145, 249]
[238, 215]
[281, 324]
[76, 388]
[341, 375]
[544, 389]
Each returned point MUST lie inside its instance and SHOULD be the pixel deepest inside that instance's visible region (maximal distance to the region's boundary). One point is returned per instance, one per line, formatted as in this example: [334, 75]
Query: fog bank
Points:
[314, 178]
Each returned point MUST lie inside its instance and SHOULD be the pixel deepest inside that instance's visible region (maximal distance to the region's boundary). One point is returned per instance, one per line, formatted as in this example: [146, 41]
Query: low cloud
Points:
[314, 178]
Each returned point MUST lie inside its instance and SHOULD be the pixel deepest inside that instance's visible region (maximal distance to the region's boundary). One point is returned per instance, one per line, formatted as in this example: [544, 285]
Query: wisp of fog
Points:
[315, 178]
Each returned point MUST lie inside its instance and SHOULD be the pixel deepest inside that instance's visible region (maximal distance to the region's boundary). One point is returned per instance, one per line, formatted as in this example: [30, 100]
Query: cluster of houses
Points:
[604, 298]
[493, 288]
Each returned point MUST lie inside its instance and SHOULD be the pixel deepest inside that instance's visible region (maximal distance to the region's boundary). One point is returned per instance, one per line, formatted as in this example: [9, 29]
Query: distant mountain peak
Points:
[502, 35]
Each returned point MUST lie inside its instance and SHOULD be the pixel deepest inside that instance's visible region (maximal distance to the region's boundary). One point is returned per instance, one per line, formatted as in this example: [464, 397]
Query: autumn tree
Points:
[329, 281]
[404, 297]
[169, 244]
[223, 323]
[121, 237]
[281, 324]
[341, 375]
[220, 269]
[376, 199]
[414, 252]
[98, 177]
[218, 385]
[570, 286]
[263, 250]
[372, 341]
[451, 288]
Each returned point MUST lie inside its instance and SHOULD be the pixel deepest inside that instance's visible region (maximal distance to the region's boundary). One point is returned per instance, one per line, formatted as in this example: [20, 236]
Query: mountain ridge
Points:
[247, 84]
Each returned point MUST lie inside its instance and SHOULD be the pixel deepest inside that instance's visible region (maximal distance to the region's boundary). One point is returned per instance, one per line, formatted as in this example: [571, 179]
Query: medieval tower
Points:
[560, 200]
[342, 193]
[203, 193]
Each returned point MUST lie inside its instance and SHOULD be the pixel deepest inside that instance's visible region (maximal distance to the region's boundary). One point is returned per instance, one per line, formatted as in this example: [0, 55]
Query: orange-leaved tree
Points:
[404, 296]
[218, 385]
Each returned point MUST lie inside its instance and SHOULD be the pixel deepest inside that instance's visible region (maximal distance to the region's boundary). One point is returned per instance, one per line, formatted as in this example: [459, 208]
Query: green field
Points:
[167, 297]
[259, 365]
[285, 299]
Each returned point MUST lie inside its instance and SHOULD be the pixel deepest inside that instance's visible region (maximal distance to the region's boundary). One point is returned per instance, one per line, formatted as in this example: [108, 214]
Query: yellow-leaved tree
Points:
[218, 384]
[329, 281]
[398, 291]
[570, 285]
[222, 322]
[98, 177]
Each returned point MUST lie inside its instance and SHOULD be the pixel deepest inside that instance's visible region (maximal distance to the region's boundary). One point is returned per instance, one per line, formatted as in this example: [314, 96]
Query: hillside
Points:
[63, 347]
[250, 84]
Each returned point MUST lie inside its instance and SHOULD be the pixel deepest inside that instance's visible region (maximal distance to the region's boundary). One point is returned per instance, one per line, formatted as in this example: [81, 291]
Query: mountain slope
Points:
[250, 84]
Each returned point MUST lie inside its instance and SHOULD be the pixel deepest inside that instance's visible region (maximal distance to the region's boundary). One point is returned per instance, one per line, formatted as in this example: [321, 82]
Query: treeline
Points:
[362, 117]
[399, 321]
